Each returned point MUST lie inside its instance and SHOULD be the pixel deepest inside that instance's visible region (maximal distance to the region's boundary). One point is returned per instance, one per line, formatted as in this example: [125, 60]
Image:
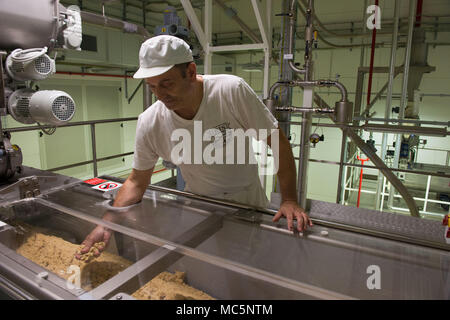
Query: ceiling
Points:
[343, 16]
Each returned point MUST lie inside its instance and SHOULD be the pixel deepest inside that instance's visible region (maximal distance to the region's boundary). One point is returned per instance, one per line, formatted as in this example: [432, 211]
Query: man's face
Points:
[171, 87]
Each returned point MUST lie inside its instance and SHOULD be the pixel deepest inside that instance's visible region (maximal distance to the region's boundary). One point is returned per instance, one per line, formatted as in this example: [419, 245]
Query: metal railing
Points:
[90, 123]
[351, 183]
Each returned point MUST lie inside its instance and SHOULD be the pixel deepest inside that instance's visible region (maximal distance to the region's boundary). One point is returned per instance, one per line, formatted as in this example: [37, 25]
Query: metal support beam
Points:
[196, 25]
[239, 21]
[135, 91]
[387, 110]
[403, 101]
[261, 25]
[239, 47]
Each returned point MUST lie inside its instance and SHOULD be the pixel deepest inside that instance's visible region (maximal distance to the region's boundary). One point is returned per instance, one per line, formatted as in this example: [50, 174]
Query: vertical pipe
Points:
[124, 10]
[207, 64]
[427, 192]
[94, 149]
[387, 110]
[285, 74]
[342, 176]
[308, 101]
[341, 165]
[267, 55]
[419, 13]
[147, 95]
[144, 11]
[302, 176]
[412, 8]
[382, 194]
[372, 58]
[344, 182]
[2, 94]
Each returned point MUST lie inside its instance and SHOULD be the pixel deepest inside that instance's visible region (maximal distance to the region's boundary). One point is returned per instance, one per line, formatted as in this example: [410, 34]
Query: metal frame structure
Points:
[204, 35]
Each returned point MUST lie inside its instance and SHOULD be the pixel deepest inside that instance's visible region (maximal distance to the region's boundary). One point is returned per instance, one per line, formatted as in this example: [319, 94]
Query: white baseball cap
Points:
[159, 54]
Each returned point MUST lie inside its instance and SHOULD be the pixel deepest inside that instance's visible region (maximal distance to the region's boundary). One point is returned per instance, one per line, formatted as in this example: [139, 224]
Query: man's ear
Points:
[192, 71]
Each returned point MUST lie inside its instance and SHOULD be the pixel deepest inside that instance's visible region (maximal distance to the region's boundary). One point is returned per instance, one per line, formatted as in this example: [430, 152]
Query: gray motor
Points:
[30, 64]
[51, 107]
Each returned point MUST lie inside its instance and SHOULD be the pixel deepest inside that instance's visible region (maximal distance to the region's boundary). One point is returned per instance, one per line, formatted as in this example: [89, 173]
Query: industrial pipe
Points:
[70, 73]
[300, 109]
[392, 178]
[104, 21]
[292, 18]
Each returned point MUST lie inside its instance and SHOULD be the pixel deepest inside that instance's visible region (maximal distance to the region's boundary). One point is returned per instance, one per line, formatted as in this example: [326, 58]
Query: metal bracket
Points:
[122, 296]
[29, 187]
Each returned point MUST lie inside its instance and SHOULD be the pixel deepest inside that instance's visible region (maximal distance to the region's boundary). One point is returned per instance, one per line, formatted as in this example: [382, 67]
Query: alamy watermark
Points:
[74, 280]
[224, 145]
[374, 20]
[374, 280]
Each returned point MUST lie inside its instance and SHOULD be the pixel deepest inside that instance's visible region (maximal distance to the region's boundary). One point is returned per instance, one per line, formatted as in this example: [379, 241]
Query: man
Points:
[189, 103]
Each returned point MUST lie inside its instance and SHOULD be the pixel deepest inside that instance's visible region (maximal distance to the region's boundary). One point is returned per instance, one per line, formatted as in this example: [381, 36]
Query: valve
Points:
[315, 138]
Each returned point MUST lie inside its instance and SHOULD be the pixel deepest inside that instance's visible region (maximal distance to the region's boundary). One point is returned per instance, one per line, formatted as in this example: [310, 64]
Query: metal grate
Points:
[63, 108]
[381, 221]
[23, 107]
[42, 65]
[17, 67]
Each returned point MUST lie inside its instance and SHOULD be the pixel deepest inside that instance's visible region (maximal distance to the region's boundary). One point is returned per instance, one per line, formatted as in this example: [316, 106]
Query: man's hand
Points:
[290, 209]
[99, 234]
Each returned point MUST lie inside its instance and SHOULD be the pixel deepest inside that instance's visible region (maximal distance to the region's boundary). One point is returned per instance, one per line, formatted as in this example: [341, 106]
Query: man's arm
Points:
[130, 193]
[287, 178]
[133, 188]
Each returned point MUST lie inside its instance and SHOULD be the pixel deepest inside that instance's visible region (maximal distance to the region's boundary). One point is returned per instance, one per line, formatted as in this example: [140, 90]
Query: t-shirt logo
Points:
[223, 130]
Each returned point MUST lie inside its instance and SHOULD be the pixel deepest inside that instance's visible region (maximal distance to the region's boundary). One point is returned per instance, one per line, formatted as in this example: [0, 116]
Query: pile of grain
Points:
[57, 255]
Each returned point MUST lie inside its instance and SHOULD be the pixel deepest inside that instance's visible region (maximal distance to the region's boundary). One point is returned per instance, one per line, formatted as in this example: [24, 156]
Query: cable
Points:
[20, 55]
[49, 132]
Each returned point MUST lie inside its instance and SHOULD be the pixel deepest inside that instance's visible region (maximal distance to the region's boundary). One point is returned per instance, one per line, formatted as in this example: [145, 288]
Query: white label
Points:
[2, 224]
[288, 56]
[107, 186]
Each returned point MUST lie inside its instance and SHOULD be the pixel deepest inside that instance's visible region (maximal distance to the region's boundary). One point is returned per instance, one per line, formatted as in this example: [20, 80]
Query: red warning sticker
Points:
[94, 181]
[109, 185]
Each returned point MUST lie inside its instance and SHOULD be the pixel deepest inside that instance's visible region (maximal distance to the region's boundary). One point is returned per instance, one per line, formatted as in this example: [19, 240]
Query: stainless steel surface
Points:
[239, 257]
[48, 182]
[343, 112]
[157, 261]
[264, 279]
[28, 24]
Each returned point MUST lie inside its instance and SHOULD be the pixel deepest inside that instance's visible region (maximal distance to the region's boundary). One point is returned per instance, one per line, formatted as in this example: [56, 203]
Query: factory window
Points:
[89, 43]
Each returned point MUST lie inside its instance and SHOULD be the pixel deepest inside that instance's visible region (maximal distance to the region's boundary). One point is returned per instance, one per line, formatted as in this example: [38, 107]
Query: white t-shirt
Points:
[228, 103]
